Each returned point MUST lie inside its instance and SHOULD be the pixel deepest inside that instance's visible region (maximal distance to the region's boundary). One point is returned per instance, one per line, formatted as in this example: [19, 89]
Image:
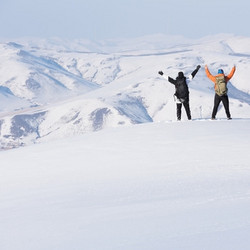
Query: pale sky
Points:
[105, 19]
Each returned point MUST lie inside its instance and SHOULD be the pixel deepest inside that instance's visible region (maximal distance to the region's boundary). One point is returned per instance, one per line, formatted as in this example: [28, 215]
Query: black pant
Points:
[225, 101]
[187, 108]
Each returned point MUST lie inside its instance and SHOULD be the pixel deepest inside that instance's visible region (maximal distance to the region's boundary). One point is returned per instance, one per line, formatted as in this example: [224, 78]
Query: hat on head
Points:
[180, 74]
[220, 71]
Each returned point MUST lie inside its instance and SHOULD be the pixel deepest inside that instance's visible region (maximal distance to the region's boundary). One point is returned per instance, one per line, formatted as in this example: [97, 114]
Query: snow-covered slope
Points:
[52, 88]
[34, 76]
[143, 180]
[174, 185]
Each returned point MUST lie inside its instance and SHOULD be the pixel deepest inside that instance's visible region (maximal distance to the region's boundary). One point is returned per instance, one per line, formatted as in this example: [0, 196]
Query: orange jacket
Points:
[213, 78]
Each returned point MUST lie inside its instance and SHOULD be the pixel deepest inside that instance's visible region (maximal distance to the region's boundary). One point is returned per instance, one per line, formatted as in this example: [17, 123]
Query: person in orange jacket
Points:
[220, 92]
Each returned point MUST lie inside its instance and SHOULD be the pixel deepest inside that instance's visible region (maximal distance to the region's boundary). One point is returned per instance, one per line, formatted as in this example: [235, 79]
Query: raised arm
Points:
[171, 80]
[230, 75]
[167, 77]
[195, 71]
[209, 75]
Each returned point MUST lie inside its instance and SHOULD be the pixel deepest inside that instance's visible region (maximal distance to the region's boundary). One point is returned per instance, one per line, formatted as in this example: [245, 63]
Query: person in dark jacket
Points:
[181, 91]
[220, 97]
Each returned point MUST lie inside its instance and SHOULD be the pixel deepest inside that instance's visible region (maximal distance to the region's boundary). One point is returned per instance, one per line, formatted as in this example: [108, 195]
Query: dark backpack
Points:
[181, 88]
[221, 85]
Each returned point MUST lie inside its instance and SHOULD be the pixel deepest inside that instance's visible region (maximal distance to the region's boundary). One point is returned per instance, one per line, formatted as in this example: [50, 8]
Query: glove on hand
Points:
[160, 72]
[198, 67]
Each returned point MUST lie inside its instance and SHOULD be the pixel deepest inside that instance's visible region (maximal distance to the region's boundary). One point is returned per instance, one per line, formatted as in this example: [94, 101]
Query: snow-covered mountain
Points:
[146, 181]
[52, 88]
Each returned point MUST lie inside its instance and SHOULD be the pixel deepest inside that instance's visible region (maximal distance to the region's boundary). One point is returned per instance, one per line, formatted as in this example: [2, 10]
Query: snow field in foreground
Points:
[167, 185]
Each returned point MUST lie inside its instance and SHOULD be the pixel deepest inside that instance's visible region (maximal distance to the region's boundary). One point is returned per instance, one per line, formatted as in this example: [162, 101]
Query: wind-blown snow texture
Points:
[179, 185]
[142, 180]
[77, 87]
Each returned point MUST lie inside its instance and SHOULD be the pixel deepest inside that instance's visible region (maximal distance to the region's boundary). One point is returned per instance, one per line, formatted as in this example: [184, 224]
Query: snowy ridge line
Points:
[48, 93]
[156, 53]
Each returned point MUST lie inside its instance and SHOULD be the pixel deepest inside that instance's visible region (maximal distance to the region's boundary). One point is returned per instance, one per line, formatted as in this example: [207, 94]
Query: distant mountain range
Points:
[54, 88]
